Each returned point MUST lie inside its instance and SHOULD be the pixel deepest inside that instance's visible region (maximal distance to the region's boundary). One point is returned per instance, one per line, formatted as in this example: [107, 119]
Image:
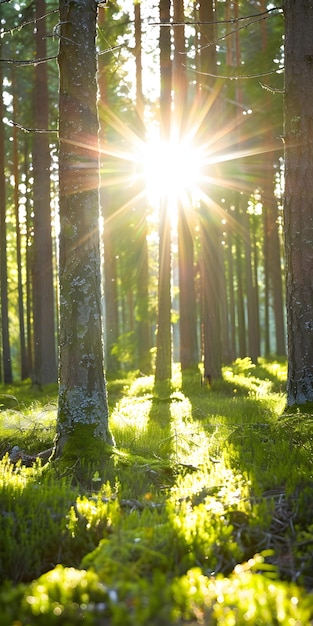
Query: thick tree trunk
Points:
[82, 426]
[299, 198]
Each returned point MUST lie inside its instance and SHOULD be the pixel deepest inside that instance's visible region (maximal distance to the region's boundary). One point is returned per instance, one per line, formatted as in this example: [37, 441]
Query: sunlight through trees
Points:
[191, 183]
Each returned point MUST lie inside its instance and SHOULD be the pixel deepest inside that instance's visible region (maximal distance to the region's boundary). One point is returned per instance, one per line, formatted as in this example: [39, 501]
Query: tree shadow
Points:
[159, 420]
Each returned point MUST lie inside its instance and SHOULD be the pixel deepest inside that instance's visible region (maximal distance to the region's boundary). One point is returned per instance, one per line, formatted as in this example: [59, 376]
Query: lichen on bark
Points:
[82, 406]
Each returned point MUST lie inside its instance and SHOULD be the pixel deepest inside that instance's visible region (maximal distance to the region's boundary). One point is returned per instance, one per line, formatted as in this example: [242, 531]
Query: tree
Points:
[45, 365]
[83, 409]
[163, 367]
[189, 356]
[24, 364]
[6, 350]
[211, 260]
[299, 198]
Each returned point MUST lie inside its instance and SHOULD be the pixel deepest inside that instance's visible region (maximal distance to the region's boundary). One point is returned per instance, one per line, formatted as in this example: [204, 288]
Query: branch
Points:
[109, 49]
[230, 21]
[17, 454]
[31, 130]
[272, 89]
[32, 21]
[235, 76]
[34, 62]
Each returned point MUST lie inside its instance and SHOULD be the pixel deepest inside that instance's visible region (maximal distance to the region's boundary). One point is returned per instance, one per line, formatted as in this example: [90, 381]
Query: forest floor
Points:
[202, 514]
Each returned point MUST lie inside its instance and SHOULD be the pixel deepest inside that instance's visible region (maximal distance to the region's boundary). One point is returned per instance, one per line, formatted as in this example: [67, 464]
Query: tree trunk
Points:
[6, 352]
[266, 248]
[231, 296]
[211, 261]
[211, 294]
[299, 198]
[189, 357]
[82, 425]
[108, 209]
[240, 281]
[45, 362]
[163, 367]
[29, 251]
[23, 354]
[142, 275]
[251, 291]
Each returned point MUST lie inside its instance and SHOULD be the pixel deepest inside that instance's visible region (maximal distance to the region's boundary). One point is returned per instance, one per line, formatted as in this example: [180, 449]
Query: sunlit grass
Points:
[198, 516]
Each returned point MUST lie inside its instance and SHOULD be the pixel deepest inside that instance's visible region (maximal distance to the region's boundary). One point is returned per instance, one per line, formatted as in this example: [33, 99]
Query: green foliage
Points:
[201, 514]
[243, 598]
[125, 348]
[32, 522]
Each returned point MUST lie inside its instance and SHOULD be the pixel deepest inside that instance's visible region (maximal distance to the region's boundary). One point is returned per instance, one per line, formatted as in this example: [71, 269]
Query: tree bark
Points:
[45, 361]
[211, 253]
[6, 351]
[163, 368]
[108, 208]
[142, 276]
[82, 425]
[23, 354]
[298, 208]
[189, 357]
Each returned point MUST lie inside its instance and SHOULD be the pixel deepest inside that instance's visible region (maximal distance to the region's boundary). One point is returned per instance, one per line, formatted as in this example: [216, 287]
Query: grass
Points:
[202, 515]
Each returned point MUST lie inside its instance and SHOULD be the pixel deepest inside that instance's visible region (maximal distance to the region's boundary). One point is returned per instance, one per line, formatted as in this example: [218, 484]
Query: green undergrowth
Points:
[200, 515]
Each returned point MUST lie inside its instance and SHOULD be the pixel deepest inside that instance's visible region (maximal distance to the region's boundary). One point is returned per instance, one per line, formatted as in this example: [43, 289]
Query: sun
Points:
[172, 170]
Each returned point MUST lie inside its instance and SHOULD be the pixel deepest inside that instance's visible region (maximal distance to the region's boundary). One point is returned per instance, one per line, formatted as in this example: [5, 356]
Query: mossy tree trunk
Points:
[82, 425]
[298, 210]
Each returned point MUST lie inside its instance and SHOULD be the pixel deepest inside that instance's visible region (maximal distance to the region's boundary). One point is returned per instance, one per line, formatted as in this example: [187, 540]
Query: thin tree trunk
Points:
[231, 296]
[240, 282]
[29, 265]
[252, 301]
[211, 261]
[107, 211]
[163, 368]
[45, 365]
[142, 275]
[6, 351]
[266, 281]
[189, 356]
[23, 354]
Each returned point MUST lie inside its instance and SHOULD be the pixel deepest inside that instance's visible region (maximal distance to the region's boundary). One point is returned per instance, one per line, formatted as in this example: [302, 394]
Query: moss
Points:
[82, 452]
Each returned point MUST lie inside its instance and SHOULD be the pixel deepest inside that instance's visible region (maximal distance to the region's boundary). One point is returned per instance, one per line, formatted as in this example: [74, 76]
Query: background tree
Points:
[298, 211]
[6, 350]
[189, 353]
[163, 366]
[240, 217]
[45, 364]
